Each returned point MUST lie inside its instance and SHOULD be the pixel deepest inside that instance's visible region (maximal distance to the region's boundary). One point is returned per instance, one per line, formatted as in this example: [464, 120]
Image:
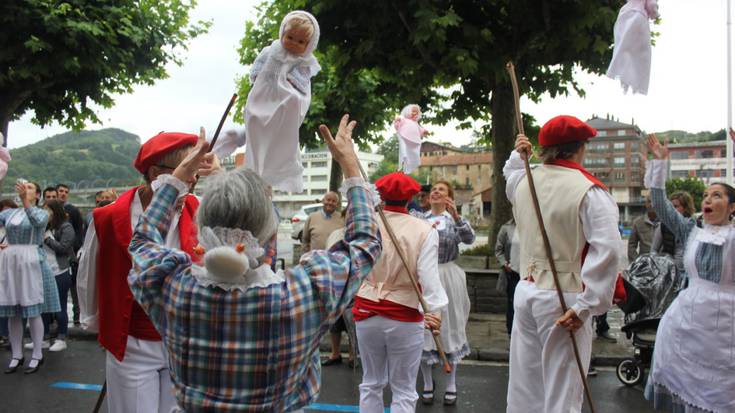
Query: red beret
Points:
[159, 145]
[397, 186]
[565, 129]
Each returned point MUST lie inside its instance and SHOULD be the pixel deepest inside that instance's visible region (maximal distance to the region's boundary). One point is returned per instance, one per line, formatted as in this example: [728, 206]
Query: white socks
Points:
[428, 380]
[452, 379]
[37, 336]
[15, 331]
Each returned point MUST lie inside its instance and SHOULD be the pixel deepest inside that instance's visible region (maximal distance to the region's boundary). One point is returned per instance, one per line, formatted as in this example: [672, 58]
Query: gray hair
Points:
[238, 199]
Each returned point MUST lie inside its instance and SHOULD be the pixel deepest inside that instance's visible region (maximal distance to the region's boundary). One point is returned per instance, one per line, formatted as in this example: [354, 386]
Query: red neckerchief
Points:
[566, 163]
[396, 208]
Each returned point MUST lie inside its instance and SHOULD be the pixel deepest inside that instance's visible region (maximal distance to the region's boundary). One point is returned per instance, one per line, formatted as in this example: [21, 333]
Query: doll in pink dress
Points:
[409, 133]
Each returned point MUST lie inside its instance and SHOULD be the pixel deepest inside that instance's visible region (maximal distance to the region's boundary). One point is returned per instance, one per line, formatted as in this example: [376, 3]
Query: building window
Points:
[318, 191]
[468, 168]
[635, 159]
[679, 174]
[679, 155]
[619, 160]
[619, 176]
[319, 178]
[619, 146]
[601, 133]
[305, 164]
[705, 173]
[622, 132]
[634, 146]
[320, 164]
[707, 153]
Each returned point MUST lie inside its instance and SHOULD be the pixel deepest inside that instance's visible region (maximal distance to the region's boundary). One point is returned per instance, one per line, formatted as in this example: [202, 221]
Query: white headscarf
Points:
[314, 37]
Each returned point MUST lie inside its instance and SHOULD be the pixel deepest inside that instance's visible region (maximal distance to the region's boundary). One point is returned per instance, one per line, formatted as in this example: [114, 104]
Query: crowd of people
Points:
[193, 316]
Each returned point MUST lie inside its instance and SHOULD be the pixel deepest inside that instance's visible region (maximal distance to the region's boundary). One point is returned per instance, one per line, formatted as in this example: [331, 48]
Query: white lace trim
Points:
[261, 277]
[713, 234]
[222, 261]
[164, 179]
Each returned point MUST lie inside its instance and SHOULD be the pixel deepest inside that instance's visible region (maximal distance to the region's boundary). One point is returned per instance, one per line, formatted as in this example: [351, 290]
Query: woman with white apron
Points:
[694, 359]
[27, 286]
[453, 230]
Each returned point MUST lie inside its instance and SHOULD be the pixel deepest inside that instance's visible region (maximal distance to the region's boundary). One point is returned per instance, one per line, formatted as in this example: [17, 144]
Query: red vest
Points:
[119, 314]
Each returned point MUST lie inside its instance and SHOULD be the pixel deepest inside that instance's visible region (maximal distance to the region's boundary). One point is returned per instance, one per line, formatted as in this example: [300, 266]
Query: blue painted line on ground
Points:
[336, 408]
[76, 386]
[325, 407]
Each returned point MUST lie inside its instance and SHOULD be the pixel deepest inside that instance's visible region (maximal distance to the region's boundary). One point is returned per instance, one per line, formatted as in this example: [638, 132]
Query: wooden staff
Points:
[100, 398]
[414, 282]
[547, 245]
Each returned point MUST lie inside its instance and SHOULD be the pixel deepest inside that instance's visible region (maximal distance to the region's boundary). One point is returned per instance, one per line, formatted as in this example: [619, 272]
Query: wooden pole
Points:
[411, 275]
[547, 245]
[100, 398]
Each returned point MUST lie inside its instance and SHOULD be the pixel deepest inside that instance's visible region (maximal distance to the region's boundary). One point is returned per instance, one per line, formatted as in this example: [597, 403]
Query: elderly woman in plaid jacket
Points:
[241, 337]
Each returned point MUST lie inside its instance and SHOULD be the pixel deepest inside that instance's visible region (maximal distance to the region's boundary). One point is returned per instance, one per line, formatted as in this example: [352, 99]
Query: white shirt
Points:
[87, 273]
[599, 215]
[427, 270]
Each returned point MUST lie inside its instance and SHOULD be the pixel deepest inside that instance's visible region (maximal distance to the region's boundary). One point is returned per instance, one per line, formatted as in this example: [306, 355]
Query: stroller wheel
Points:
[629, 372]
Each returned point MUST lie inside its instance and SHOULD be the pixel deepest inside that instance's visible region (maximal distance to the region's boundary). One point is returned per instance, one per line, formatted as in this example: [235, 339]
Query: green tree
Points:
[694, 186]
[60, 57]
[450, 56]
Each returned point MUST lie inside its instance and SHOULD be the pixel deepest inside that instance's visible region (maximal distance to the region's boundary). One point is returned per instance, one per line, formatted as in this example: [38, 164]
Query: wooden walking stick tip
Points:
[447, 367]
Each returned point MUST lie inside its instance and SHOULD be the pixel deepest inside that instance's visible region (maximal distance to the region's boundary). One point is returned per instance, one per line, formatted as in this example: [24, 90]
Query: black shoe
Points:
[592, 372]
[451, 401]
[427, 396]
[351, 364]
[31, 370]
[332, 361]
[11, 370]
[607, 337]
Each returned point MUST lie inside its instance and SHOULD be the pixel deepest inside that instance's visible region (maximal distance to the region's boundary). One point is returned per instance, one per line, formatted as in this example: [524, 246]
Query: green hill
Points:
[92, 156]
[680, 136]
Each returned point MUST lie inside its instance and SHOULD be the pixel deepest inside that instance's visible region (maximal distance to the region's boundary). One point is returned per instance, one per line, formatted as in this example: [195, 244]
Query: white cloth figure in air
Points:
[278, 102]
[409, 133]
[631, 61]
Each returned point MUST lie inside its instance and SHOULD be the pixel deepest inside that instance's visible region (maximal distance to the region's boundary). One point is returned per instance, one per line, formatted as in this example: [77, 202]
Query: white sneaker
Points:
[59, 345]
[44, 345]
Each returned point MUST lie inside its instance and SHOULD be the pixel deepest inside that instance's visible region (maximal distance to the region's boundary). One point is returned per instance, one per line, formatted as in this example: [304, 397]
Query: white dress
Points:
[694, 358]
[274, 112]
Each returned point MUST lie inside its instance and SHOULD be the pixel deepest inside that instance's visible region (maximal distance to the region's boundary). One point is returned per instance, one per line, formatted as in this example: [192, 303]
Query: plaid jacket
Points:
[251, 351]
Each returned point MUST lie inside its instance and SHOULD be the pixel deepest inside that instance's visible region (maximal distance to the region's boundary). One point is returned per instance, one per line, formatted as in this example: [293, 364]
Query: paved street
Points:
[482, 387]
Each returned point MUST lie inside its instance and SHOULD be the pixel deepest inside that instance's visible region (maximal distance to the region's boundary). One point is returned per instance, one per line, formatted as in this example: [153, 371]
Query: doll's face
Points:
[415, 113]
[295, 40]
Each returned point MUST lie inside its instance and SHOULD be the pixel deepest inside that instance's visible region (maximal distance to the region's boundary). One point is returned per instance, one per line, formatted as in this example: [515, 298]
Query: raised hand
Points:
[451, 208]
[342, 147]
[187, 170]
[657, 150]
[523, 145]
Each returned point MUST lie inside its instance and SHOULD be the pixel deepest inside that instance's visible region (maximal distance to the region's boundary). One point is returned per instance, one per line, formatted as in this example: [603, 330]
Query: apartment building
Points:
[616, 156]
[704, 160]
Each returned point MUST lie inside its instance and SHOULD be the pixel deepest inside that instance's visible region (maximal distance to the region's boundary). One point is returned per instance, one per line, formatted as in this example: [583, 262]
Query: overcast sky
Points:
[687, 91]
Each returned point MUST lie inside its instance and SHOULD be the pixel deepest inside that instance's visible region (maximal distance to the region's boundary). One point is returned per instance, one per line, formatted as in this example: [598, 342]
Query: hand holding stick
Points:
[567, 320]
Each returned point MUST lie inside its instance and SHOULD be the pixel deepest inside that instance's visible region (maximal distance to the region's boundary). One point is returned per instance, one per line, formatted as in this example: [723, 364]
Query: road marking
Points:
[324, 407]
[76, 386]
[336, 408]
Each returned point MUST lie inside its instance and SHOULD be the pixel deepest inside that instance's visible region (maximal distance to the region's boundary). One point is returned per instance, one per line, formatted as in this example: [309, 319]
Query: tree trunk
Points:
[503, 138]
[4, 122]
[335, 176]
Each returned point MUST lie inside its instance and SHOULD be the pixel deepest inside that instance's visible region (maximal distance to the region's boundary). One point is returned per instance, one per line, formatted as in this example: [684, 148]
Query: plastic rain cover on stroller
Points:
[657, 280]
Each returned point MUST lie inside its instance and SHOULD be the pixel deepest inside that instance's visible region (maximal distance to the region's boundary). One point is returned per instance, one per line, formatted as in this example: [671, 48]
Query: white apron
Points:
[698, 364]
[21, 279]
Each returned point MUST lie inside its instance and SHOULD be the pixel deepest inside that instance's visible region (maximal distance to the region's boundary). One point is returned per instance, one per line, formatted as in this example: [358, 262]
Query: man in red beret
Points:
[137, 370]
[389, 320]
[581, 220]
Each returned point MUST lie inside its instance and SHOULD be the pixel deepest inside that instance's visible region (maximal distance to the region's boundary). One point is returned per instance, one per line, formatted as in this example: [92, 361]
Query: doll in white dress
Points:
[278, 102]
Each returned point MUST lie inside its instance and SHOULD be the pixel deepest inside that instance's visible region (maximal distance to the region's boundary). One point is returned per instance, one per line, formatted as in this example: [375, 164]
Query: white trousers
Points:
[141, 382]
[544, 377]
[390, 352]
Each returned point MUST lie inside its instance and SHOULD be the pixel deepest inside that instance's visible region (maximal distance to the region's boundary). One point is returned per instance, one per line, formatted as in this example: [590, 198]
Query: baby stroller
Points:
[651, 284]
